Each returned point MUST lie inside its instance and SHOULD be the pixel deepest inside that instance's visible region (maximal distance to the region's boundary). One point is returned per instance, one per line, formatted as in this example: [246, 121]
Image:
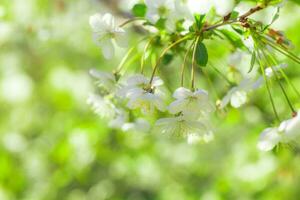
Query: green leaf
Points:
[167, 59]
[199, 21]
[139, 10]
[201, 55]
[253, 60]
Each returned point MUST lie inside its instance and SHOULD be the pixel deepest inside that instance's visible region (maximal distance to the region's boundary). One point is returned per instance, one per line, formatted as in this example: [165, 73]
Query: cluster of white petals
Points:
[238, 95]
[107, 103]
[190, 111]
[105, 32]
[195, 104]
[142, 94]
[127, 102]
[287, 132]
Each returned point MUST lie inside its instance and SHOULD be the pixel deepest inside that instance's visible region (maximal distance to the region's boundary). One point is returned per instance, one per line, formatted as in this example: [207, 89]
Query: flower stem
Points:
[278, 79]
[144, 52]
[130, 21]
[184, 62]
[123, 61]
[197, 40]
[256, 42]
[281, 50]
[164, 52]
[273, 59]
[269, 90]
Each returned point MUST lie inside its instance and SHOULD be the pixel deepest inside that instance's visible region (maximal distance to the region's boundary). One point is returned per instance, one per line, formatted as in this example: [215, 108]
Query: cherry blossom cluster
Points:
[143, 102]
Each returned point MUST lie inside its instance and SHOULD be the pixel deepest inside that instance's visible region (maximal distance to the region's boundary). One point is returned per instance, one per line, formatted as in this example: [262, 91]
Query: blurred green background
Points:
[52, 146]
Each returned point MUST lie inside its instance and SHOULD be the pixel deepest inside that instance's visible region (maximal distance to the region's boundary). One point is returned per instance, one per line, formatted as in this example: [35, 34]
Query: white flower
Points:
[105, 79]
[102, 106]
[158, 8]
[182, 127]
[105, 31]
[288, 131]
[142, 95]
[190, 103]
[237, 96]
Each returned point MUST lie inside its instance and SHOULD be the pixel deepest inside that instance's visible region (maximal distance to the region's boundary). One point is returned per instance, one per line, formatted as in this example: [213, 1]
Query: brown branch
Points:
[241, 18]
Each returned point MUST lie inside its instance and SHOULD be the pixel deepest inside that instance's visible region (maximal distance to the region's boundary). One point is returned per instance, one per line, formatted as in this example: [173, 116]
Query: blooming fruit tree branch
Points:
[135, 96]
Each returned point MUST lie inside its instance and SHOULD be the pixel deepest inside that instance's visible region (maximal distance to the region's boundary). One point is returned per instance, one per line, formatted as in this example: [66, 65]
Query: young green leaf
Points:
[253, 60]
[201, 55]
[199, 21]
[139, 10]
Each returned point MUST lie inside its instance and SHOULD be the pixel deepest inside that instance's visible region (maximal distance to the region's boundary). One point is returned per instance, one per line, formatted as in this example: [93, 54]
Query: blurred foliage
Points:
[54, 147]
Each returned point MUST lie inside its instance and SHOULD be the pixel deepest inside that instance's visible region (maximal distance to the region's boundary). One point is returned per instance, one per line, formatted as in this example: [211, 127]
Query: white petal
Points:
[182, 93]
[293, 127]
[269, 139]
[101, 106]
[109, 20]
[134, 93]
[137, 80]
[157, 82]
[176, 106]
[107, 48]
[167, 126]
[238, 98]
[257, 84]
[223, 7]
[96, 22]
[227, 98]
[159, 104]
[121, 40]
[199, 6]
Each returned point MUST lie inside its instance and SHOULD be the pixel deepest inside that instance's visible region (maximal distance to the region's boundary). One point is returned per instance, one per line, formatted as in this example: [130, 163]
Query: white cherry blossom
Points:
[287, 132]
[181, 126]
[141, 94]
[105, 32]
[238, 95]
[190, 103]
